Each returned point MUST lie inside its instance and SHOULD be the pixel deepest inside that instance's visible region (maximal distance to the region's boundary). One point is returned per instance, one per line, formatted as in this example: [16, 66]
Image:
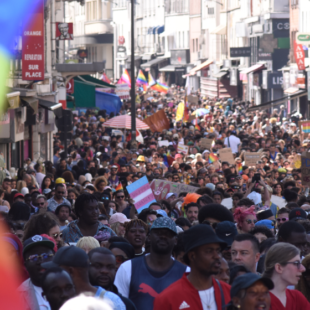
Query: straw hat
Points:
[141, 158]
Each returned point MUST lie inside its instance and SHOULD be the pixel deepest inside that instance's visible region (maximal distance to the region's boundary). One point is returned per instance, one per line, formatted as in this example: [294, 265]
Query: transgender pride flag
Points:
[142, 194]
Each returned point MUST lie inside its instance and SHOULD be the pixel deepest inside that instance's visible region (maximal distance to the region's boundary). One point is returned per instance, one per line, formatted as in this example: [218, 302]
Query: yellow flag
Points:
[180, 112]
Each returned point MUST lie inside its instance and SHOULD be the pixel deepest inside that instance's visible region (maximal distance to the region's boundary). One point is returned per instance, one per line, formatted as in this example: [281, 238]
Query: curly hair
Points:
[82, 201]
[133, 223]
[302, 285]
[40, 224]
[68, 176]
[241, 213]
[100, 180]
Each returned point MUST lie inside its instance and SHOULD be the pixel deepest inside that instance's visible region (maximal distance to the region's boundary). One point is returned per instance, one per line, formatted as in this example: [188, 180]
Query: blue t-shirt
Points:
[117, 302]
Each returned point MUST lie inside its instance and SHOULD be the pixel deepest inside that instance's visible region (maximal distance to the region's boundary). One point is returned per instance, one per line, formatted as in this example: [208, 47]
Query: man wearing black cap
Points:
[144, 277]
[226, 231]
[198, 289]
[102, 272]
[75, 261]
[37, 250]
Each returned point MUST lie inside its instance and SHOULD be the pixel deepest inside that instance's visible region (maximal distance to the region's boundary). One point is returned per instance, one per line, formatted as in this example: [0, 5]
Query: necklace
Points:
[208, 297]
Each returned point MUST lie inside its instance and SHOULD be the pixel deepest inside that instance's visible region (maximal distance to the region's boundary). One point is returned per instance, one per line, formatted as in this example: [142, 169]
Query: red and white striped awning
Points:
[124, 121]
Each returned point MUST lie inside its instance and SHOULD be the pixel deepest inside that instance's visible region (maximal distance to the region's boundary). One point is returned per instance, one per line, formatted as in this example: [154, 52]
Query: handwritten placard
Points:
[227, 155]
[251, 158]
[183, 149]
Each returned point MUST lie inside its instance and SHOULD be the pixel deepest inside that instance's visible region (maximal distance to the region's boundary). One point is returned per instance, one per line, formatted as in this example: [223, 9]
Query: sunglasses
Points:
[41, 204]
[36, 257]
[251, 221]
[120, 259]
[61, 193]
[283, 219]
[120, 197]
[56, 235]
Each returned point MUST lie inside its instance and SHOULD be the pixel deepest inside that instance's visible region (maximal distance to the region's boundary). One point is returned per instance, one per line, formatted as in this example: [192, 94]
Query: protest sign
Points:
[182, 149]
[161, 188]
[226, 155]
[163, 143]
[228, 203]
[192, 99]
[158, 121]
[278, 201]
[206, 143]
[140, 191]
[251, 158]
[305, 168]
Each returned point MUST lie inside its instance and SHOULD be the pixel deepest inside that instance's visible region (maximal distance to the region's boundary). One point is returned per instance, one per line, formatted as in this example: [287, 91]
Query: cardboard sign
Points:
[163, 143]
[161, 188]
[305, 168]
[206, 143]
[182, 149]
[140, 191]
[251, 158]
[227, 155]
[192, 99]
[158, 121]
[278, 201]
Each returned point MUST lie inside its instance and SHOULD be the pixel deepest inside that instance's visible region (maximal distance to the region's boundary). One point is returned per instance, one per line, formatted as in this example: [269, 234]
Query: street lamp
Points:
[133, 80]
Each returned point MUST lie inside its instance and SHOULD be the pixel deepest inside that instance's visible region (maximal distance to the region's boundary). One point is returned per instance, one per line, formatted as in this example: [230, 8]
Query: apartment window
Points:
[193, 40]
[210, 11]
[197, 45]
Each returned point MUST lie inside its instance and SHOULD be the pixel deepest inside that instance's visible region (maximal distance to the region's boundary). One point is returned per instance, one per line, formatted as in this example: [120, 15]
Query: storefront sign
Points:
[70, 87]
[303, 38]
[275, 80]
[233, 76]
[64, 31]
[264, 56]
[281, 28]
[240, 52]
[33, 46]
[299, 56]
[121, 40]
[121, 49]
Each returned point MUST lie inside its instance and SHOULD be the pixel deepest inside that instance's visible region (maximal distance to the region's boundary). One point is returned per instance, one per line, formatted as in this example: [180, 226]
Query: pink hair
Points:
[241, 213]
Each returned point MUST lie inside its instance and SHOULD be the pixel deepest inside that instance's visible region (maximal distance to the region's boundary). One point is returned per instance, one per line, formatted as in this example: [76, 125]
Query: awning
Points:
[254, 68]
[153, 62]
[172, 68]
[32, 103]
[298, 94]
[221, 29]
[52, 106]
[158, 29]
[92, 81]
[267, 105]
[204, 65]
[222, 73]
[136, 58]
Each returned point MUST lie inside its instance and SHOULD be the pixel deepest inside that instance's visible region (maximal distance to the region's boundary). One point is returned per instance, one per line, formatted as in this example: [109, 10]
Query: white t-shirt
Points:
[207, 299]
[43, 304]
[233, 142]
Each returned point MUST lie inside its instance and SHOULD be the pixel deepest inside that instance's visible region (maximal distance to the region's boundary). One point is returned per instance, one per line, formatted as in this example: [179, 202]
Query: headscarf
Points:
[15, 242]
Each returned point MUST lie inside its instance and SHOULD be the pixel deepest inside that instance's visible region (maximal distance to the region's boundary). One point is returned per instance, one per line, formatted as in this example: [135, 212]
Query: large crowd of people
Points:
[239, 239]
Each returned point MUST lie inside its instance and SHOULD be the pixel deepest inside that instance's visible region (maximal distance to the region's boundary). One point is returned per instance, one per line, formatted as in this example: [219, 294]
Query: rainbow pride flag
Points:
[141, 80]
[305, 127]
[239, 168]
[151, 80]
[119, 187]
[161, 88]
[197, 127]
[212, 158]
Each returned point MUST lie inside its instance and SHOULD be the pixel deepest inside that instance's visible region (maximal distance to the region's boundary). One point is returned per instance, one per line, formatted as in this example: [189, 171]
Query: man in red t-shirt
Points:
[198, 289]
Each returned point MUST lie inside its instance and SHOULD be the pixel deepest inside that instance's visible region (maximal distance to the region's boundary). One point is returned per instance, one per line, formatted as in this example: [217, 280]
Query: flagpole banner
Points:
[141, 192]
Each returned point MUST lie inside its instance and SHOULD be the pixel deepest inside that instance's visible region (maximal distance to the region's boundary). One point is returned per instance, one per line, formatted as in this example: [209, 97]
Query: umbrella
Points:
[124, 121]
[201, 112]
